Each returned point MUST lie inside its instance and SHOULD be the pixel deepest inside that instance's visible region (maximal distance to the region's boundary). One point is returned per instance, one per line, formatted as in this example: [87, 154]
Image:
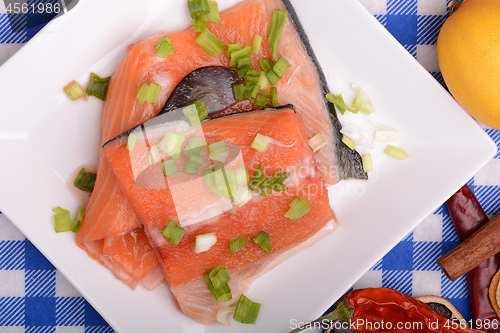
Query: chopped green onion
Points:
[219, 276]
[204, 242]
[266, 64]
[261, 100]
[221, 294]
[396, 152]
[154, 155]
[169, 167]
[260, 143]
[173, 233]
[253, 79]
[281, 66]
[246, 311]
[257, 179]
[198, 8]
[263, 81]
[199, 24]
[62, 220]
[252, 94]
[298, 208]
[148, 92]
[387, 135]
[339, 103]
[274, 183]
[241, 196]
[222, 314]
[232, 48]
[220, 180]
[263, 240]
[276, 26]
[98, 86]
[362, 102]
[213, 16]
[254, 73]
[232, 180]
[272, 77]
[317, 142]
[195, 112]
[218, 151]
[242, 177]
[210, 43]
[243, 71]
[257, 41]
[78, 222]
[195, 146]
[209, 176]
[244, 62]
[85, 181]
[172, 144]
[237, 243]
[367, 162]
[240, 54]
[132, 138]
[239, 91]
[223, 193]
[193, 165]
[164, 47]
[348, 142]
[74, 90]
[274, 96]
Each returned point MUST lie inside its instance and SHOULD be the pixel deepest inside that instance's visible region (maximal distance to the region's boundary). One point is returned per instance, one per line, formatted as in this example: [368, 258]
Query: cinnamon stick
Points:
[480, 246]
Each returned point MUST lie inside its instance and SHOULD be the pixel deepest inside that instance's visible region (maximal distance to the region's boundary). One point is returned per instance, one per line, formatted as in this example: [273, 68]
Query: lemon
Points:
[468, 50]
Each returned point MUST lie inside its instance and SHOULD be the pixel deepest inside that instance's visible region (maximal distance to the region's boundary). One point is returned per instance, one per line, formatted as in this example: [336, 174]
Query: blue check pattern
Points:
[34, 297]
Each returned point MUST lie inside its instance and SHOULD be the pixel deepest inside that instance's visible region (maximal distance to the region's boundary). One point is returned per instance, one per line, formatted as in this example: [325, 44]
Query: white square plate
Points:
[45, 138]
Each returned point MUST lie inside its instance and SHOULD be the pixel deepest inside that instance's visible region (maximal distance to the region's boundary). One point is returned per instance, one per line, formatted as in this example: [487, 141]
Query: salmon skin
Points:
[187, 200]
[110, 221]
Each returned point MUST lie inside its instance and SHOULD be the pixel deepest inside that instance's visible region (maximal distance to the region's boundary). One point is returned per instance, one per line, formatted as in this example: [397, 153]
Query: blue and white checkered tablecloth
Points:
[35, 297]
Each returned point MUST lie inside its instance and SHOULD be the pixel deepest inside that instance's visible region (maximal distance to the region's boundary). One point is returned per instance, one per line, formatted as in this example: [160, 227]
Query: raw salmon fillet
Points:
[110, 222]
[159, 201]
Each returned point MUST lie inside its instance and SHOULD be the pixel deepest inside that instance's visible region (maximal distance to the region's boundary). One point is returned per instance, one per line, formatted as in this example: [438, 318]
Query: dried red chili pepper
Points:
[388, 310]
[468, 216]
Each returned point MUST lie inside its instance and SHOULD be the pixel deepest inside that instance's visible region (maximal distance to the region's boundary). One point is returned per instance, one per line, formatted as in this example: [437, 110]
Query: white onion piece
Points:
[386, 135]
[154, 155]
[240, 195]
[317, 142]
[362, 101]
[359, 138]
[223, 315]
[204, 242]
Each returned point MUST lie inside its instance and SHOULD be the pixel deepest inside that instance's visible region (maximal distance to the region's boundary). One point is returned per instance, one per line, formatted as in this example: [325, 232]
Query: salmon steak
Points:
[133, 200]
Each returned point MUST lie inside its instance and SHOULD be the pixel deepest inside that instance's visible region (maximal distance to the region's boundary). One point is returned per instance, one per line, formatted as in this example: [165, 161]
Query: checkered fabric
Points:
[34, 297]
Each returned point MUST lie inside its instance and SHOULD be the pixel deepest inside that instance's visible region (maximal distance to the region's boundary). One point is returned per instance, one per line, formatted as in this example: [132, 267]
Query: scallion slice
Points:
[204, 242]
[221, 294]
[276, 26]
[223, 193]
[198, 8]
[244, 62]
[240, 92]
[253, 79]
[169, 167]
[193, 165]
[257, 41]
[338, 100]
[210, 43]
[219, 276]
[242, 177]
[132, 138]
[85, 181]
[348, 142]
[164, 47]
[261, 100]
[362, 102]
[173, 233]
[199, 24]
[243, 71]
[78, 222]
[195, 146]
[209, 176]
[246, 311]
[237, 243]
[260, 143]
[148, 92]
[240, 54]
[218, 151]
[266, 64]
[298, 208]
[263, 81]
[367, 162]
[172, 144]
[222, 314]
[252, 94]
[272, 77]
[154, 155]
[232, 48]
[254, 73]
[396, 152]
[62, 220]
[263, 240]
[74, 90]
[317, 142]
[195, 112]
[281, 66]
[274, 96]
[214, 15]
[98, 86]
[257, 179]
